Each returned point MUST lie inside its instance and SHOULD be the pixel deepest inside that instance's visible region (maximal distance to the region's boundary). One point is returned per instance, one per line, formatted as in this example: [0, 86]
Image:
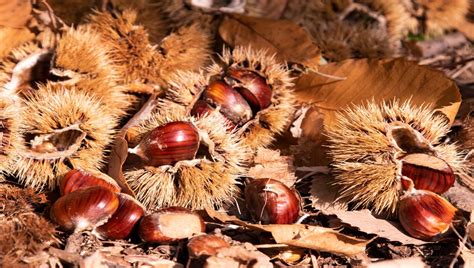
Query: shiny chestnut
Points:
[79, 179]
[168, 144]
[271, 202]
[252, 87]
[85, 208]
[230, 103]
[427, 173]
[425, 215]
[122, 222]
[170, 225]
[206, 245]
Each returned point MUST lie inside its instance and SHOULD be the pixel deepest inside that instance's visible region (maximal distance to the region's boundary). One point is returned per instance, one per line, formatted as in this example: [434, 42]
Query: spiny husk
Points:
[9, 131]
[205, 184]
[186, 49]
[140, 62]
[72, 11]
[79, 60]
[47, 111]
[276, 118]
[365, 161]
[399, 20]
[12, 38]
[93, 67]
[149, 15]
[444, 15]
[24, 235]
[130, 47]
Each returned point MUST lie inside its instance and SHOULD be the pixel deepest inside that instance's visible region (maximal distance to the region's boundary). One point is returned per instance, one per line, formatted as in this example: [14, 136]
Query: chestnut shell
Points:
[271, 202]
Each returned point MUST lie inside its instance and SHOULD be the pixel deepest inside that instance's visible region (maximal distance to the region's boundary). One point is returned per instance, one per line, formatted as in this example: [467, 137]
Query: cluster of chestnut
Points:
[422, 212]
[239, 95]
[94, 202]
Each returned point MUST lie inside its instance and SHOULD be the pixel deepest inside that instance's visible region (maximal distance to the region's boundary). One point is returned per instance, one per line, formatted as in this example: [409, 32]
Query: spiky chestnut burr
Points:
[9, 131]
[79, 60]
[443, 15]
[202, 181]
[140, 63]
[368, 144]
[170, 225]
[60, 129]
[264, 84]
[424, 214]
[271, 202]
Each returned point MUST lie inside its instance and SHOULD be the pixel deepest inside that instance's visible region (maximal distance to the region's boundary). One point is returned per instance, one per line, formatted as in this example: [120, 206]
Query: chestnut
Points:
[205, 245]
[252, 87]
[79, 179]
[231, 104]
[424, 214]
[84, 209]
[271, 202]
[170, 225]
[168, 144]
[121, 224]
[427, 173]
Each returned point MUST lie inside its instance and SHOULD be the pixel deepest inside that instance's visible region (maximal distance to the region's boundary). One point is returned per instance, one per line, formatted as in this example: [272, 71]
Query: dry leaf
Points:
[366, 80]
[468, 257]
[224, 217]
[461, 197]
[413, 262]
[314, 237]
[117, 158]
[367, 223]
[270, 164]
[245, 255]
[272, 35]
[15, 13]
[323, 196]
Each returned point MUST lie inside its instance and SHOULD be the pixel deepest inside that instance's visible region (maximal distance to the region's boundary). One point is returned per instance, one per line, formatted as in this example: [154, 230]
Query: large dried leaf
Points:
[366, 80]
[366, 222]
[270, 164]
[15, 13]
[314, 237]
[289, 41]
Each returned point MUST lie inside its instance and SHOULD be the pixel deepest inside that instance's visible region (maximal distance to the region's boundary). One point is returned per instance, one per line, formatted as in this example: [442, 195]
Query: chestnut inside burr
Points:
[60, 143]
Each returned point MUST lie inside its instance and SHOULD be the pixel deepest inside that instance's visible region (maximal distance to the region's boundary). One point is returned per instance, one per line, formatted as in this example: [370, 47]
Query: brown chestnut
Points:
[84, 209]
[427, 173]
[121, 224]
[206, 245]
[170, 225]
[168, 144]
[79, 179]
[424, 214]
[252, 87]
[271, 202]
[231, 104]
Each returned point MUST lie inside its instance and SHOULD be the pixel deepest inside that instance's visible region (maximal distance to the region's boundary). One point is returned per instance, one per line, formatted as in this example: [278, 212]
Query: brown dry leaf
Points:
[468, 257]
[117, 158]
[413, 262]
[223, 217]
[461, 197]
[270, 164]
[367, 223]
[366, 79]
[272, 35]
[245, 255]
[323, 197]
[15, 13]
[314, 237]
